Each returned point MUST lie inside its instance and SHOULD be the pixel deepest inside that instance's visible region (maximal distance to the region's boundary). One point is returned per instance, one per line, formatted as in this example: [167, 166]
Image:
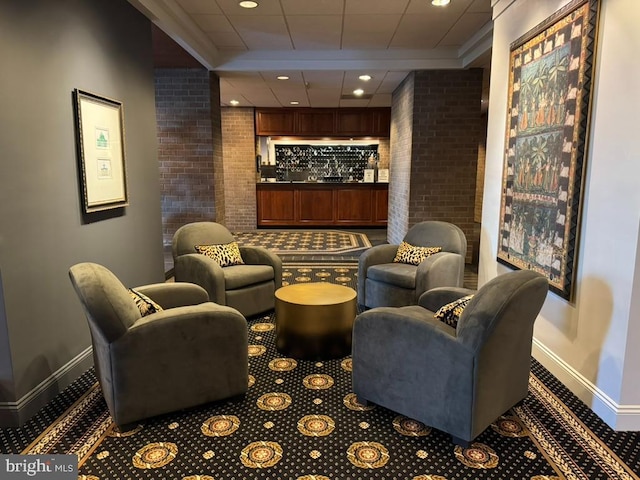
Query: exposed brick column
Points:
[401, 145]
[185, 147]
[239, 153]
[446, 128]
[216, 136]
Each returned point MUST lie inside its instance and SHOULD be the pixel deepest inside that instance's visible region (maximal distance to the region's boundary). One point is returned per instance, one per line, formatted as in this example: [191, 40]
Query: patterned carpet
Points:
[300, 420]
[305, 242]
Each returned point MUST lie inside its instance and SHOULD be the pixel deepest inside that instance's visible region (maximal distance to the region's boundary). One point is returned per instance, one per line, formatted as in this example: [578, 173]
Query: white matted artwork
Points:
[100, 135]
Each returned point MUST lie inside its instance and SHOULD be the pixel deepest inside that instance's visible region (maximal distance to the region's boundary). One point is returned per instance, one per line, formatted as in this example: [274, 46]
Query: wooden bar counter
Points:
[295, 204]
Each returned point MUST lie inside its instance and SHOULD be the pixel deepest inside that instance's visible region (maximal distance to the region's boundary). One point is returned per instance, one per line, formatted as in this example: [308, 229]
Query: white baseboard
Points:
[618, 417]
[17, 412]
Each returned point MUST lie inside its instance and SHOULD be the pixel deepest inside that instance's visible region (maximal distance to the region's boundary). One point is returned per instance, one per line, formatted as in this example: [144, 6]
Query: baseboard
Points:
[16, 414]
[618, 417]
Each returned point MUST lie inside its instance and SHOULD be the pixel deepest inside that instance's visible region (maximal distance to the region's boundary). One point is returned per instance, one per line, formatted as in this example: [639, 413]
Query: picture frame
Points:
[101, 151]
[549, 97]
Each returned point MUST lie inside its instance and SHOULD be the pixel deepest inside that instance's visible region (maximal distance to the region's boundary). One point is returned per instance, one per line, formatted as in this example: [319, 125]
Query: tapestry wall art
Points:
[547, 126]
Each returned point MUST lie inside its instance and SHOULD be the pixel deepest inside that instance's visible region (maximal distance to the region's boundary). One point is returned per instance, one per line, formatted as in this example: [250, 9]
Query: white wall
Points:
[589, 344]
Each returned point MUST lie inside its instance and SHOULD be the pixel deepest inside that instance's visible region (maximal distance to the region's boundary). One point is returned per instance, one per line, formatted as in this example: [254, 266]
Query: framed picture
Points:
[100, 137]
[547, 126]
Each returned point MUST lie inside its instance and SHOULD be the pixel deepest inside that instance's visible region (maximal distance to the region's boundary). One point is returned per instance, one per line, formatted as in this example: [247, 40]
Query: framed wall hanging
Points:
[550, 85]
[100, 137]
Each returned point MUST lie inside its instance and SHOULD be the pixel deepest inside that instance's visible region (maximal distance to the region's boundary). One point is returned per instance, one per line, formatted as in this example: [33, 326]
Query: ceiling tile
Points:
[265, 7]
[295, 77]
[324, 78]
[324, 97]
[420, 29]
[380, 100]
[391, 82]
[310, 32]
[263, 33]
[260, 95]
[199, 6]
[226, 40]
[383, 7]
[368, 31]
[480, 6]
[464, 29]
[456, 7]
[312, 7]
[213, 23]
[351, 80]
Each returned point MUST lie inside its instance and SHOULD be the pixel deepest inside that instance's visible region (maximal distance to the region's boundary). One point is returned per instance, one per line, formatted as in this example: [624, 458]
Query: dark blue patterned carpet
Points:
[300, 420]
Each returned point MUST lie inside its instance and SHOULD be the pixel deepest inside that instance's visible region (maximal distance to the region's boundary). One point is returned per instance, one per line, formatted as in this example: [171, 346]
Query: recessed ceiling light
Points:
[248, 4]
[440, 3]
[234, 102]
[365, 78]
[358, 92]
[294, 103]
[282, 77]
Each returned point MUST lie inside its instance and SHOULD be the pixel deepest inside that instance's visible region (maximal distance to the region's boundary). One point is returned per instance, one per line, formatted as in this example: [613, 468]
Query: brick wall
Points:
[439, 148]
[185, 147]
[482, 157]
[239, 152]
[400, 164]
[218, 163]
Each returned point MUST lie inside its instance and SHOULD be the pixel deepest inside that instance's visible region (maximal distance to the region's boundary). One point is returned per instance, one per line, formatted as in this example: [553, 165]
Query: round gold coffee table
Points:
[314, 320]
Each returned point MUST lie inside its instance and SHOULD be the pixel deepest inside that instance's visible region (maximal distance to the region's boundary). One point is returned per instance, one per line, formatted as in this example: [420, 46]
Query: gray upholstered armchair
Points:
[249, 288]
[458, 380]
[383, 282]
[189, 352]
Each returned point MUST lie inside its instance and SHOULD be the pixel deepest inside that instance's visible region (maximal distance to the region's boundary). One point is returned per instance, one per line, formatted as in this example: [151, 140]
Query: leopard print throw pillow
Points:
[225, 255]
[450, 313]
[144, 303]
[413, 255]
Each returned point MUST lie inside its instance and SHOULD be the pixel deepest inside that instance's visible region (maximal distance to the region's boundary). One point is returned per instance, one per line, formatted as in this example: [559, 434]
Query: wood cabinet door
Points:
[315, 206]
[354, 122]
[354, 205]
[319, 122]
[380, 205]
[382, 122]
[275, 121]
[276, 207]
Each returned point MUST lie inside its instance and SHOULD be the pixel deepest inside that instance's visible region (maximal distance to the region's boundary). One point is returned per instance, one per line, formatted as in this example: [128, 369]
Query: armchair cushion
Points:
[414, 255]
[144, 303]
[225, 254]
[401, 274]
[450, 313]
[239, 276]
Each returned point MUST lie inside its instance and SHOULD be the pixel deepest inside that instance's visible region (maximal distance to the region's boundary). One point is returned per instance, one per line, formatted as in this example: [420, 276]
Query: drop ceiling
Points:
[323, 46]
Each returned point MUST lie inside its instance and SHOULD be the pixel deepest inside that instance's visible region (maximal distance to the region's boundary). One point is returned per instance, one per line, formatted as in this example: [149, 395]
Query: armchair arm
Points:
[186, 346]
[437, 297]
[263, 256]
[393, 347]
[204, 271]
[373, 256]
[444, 269]
[172, 295]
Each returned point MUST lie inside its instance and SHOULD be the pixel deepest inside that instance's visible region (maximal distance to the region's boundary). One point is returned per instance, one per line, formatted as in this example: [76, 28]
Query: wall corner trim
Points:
[15, 413]
[618, 417]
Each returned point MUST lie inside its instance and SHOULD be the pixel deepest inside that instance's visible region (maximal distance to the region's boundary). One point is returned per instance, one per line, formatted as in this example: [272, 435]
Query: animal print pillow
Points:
[413, 255]
[225, 255]
[450, 313]
[144, 303]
